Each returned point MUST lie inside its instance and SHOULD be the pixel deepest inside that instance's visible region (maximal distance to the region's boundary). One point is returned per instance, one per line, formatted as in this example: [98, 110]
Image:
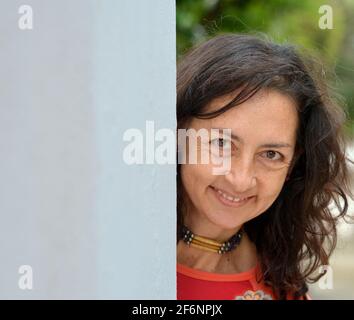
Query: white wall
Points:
[88, 224]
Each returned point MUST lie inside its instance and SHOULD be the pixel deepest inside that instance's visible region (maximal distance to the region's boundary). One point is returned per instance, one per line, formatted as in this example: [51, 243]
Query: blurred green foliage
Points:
[291, 21]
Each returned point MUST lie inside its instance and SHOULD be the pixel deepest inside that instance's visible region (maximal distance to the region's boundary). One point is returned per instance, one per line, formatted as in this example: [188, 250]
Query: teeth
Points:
[234, 199]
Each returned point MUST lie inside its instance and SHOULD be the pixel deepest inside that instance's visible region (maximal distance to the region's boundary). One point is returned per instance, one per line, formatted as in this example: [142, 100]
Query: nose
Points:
[242, 175]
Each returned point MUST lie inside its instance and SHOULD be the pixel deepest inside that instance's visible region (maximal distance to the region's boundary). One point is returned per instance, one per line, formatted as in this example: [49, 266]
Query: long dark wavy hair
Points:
[297, 233]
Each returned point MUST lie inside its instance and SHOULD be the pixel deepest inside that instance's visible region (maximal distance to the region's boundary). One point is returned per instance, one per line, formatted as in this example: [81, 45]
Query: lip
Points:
[230, 203]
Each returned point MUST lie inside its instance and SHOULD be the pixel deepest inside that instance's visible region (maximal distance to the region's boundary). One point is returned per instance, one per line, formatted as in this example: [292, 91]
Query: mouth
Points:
[230, 200]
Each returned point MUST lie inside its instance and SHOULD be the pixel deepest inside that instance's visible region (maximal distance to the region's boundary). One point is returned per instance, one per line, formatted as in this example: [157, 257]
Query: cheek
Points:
[271, 186]
[269, 190]
[196, 178]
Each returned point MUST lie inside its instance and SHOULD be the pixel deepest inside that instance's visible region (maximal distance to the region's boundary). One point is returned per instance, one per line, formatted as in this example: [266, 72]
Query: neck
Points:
[243, 258]
[210, 244]
[203, 227]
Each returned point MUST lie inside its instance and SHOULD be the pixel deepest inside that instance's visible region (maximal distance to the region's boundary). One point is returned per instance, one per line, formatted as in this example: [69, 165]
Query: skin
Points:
[267, 117]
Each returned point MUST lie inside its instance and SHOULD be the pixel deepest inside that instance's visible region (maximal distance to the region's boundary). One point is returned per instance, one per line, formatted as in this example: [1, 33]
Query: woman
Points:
[262, 227]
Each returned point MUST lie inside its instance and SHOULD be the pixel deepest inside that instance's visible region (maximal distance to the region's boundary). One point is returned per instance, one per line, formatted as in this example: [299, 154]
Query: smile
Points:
[228, 199]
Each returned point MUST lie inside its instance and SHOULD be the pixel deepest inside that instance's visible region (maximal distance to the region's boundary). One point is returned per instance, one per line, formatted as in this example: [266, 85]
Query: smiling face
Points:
[261, 149]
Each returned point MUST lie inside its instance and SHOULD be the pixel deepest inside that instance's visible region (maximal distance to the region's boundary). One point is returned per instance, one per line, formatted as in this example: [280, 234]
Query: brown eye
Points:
[221, 143]
[273, 155]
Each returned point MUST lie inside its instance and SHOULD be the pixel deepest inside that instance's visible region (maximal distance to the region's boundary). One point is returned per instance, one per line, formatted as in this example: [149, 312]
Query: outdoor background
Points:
[296, 22]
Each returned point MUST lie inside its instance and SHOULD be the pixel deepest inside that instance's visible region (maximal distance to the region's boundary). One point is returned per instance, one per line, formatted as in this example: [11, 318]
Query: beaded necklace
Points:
[211, 245]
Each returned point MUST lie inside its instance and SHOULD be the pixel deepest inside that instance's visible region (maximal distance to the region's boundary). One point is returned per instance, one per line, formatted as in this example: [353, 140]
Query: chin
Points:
[226, 221]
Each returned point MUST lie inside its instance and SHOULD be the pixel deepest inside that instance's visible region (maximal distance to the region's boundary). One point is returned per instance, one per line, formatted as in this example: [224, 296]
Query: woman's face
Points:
[258, 168]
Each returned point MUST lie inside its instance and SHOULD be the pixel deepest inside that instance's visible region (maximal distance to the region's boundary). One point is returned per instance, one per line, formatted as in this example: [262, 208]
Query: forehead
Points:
[268, 114]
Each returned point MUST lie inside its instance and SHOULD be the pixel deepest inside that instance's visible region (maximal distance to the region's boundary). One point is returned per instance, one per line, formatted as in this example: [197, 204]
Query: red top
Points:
[194, 284]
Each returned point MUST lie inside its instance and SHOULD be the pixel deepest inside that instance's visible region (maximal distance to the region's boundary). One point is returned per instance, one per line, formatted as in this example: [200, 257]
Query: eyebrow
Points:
[266, 145]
